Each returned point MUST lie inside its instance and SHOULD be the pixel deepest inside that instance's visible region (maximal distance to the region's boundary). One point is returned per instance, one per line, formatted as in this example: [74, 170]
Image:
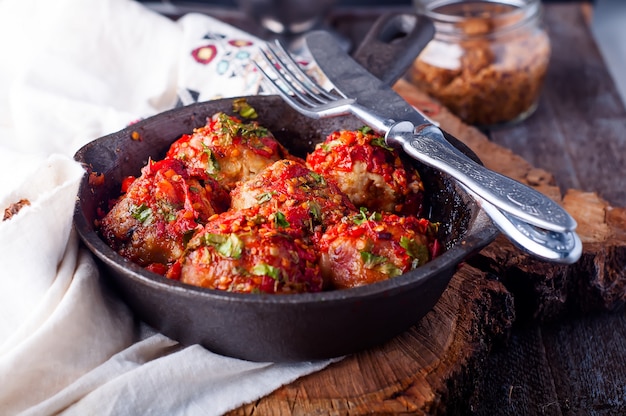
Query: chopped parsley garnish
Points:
[229, 245]
[142, 213]
[280, 220]
[362, 217]
[366, 129]
[381, 263]
[263, 269]
[327, 147]
[166, 210]
[318, 178]
[371, 260]
[380, 142]
[390, 269]
[418, 252]
[212, 166]
[315, 210]
[264, 197]
[251, 129]
[241, 106]
[232, 128]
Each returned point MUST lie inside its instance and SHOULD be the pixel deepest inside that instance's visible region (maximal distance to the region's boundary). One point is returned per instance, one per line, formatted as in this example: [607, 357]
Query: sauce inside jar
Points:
[487, 61]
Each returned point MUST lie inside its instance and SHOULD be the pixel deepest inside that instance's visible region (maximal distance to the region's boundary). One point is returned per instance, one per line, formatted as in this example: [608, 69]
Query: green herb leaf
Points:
[362, 217]
[366, 129]
[418, 252]
[372, 260]
[280, 220]
[315, 210]
[380, 142]
[327, 147]
[229, 246]
[380, 263]
[376, 216]
[142, 213]
[212, 166]
[244, 109]
[263, 269]
[264, 197]
[318, 178]
[231, 128]
[390, 269]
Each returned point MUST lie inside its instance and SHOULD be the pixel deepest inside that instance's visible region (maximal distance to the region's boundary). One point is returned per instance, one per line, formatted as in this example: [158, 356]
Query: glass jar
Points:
[487, 61]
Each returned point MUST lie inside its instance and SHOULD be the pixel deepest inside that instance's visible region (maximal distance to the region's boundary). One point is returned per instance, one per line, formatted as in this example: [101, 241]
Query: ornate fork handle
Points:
[428, 145]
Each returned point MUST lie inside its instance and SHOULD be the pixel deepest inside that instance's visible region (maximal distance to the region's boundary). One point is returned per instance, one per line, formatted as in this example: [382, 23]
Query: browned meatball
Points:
[368, 248]
[372, 174]
[241, 251]
[227, 149]
[161, 209]
[290, 192]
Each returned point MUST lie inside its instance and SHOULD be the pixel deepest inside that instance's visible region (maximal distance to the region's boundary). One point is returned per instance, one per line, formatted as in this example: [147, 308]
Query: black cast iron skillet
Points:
[262, 327]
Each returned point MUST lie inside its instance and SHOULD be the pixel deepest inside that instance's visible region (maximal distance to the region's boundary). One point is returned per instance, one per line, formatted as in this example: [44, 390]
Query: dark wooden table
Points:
[572, 362]
[576, 365]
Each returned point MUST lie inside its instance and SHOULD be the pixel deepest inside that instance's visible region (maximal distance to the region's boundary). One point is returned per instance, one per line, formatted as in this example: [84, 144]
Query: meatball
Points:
[368, 248]
[227, 149]
[290, 192]
[151, 222]
[240, 251]
[372, 174]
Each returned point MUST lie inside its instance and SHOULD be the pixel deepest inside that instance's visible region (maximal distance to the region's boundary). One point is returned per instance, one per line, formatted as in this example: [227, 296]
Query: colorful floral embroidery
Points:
[204, 54]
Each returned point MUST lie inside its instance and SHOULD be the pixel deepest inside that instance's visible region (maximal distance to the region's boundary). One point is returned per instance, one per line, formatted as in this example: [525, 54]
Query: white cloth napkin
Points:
[72, 71]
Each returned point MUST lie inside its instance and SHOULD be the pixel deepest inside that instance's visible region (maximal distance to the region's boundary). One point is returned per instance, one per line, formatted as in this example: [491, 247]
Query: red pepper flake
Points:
[126, 182]
[157, 268]
[96, 179]
[174, 271]
[14, 208]
[135, 136]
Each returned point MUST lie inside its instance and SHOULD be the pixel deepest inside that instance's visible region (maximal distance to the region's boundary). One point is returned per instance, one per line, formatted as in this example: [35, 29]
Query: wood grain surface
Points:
[574, 363]
[512, 335]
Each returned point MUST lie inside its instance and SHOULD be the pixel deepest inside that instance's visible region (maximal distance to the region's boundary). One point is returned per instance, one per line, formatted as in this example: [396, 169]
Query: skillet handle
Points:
[393, 43]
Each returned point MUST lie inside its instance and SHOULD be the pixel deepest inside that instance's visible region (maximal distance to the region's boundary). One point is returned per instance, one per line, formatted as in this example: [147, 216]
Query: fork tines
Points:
[297, 88]
[294, 80]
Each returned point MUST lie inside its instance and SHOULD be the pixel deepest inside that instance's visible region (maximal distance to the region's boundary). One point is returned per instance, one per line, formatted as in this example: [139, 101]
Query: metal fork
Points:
[307, 97]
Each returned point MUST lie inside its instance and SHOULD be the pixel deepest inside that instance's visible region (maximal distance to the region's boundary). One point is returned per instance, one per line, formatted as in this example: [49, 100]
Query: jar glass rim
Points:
[429, 8]
[521, 12]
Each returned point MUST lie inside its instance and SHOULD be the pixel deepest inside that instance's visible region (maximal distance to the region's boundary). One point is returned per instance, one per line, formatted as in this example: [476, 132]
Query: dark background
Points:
[340, 3]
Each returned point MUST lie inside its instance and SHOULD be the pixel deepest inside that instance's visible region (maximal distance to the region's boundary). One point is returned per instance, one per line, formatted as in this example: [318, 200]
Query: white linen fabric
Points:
[72, 71]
